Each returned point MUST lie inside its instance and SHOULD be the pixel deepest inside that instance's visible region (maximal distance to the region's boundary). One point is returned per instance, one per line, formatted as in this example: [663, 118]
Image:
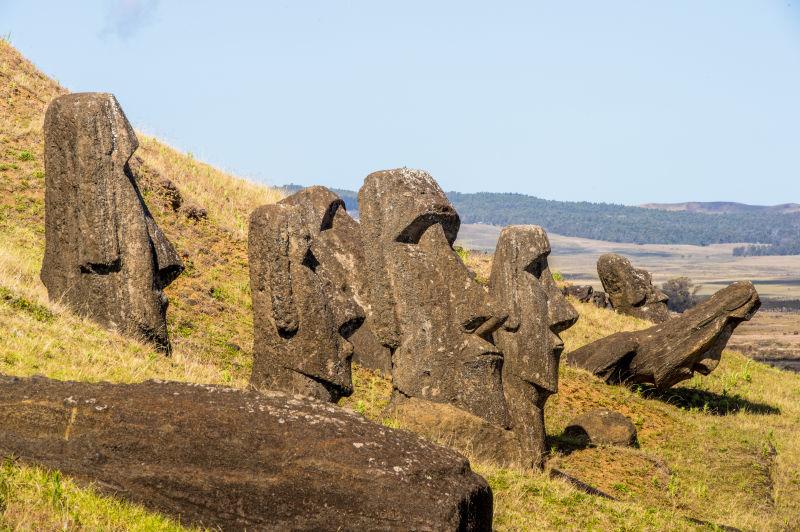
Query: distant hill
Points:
[774, 230]
[726, 207]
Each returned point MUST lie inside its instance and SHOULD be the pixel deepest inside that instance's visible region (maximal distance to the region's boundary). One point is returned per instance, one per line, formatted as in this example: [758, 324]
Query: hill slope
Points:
[717, 207]
[723, 449]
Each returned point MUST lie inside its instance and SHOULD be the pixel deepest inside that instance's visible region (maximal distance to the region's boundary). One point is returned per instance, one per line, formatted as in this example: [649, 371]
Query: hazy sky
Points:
[625, 102]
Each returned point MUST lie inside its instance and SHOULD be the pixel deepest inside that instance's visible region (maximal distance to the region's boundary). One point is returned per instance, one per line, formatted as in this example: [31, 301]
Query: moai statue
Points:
[105, 257]
[427, 307]
[631, 290]
[670, 352]
[302, 314]
[337, 241]
[537, 312]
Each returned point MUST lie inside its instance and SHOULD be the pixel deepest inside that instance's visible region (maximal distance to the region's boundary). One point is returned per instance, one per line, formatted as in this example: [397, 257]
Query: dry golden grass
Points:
[227, 198]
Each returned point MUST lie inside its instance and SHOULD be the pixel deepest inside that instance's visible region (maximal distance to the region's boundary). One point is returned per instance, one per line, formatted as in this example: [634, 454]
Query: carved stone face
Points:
[427, 305]
[521, 281]
[303, 314]
[670, 352]
[104, 254]
[631, 289]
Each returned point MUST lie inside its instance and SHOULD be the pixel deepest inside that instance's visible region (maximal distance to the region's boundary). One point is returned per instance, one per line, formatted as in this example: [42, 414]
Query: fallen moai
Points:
[303, 312]
[337, 240]
[670, 352]
[105, 257]
[232, 459]
[521, 283]
[631, 290]
[427, 308]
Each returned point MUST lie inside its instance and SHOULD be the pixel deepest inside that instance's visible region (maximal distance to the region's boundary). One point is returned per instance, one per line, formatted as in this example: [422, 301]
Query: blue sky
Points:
[615, 101]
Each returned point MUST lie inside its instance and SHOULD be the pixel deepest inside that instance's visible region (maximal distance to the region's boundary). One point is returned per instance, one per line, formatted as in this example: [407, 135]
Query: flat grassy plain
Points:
[714, 451]
[714, 267]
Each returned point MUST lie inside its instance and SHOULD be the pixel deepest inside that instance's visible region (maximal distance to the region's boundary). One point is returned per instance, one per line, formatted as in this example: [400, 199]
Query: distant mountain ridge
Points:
[774, 230]
[720, 207]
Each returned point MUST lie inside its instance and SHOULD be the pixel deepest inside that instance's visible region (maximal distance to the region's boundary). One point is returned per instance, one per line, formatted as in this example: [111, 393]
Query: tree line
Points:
[768, 233]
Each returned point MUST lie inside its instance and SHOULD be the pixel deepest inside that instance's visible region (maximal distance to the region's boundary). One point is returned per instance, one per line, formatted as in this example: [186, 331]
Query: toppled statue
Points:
[105, 257]
[228, 459]
[631, 290]
[303, 311]
[338, 241]
[427, 307]
[670, 352]
[529, 339]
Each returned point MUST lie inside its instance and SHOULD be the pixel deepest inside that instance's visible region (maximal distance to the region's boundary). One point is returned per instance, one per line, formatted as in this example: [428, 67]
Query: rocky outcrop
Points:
[631, 290]
[303, 310]
[427, 307]
[105, 257]
[231, 459]
[670, 352]
[602, 427]
[521, 284]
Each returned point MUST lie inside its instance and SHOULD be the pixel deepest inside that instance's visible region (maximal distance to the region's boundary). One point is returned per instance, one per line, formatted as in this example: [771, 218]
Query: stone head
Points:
[427, 305]
[105, 255]
[630, 289]
[521, 282]
[303, 315]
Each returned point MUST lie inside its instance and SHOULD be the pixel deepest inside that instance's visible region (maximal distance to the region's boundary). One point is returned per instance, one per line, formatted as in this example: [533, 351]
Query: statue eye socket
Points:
[536, 267]
[310, 261]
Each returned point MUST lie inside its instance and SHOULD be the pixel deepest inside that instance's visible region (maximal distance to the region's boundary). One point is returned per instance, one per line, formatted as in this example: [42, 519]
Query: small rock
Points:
[602, 427]
[582, 293]
[171, 194]
[196, 213]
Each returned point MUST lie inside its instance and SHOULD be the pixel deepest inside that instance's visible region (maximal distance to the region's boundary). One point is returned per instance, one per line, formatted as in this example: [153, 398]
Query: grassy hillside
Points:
[721, 450]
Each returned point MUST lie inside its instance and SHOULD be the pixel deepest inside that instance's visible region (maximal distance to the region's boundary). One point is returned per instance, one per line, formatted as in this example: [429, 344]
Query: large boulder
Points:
[233, 459]
[105, 257]
[522, 284]
[670, 352]
[602, 427]
[631, 290]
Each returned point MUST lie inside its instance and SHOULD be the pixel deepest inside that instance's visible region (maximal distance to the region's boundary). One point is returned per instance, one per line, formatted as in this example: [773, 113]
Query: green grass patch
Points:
[37, 311]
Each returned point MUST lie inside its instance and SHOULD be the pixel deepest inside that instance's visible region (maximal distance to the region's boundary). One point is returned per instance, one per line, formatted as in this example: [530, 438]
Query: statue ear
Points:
[98, 249]
[289, 242]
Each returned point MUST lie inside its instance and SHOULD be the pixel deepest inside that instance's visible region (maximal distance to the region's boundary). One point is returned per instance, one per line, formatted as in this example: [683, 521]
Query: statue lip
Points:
[492, 354]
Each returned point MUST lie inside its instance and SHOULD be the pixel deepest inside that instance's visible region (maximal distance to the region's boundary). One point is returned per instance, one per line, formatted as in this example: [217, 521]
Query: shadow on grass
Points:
[706, 402]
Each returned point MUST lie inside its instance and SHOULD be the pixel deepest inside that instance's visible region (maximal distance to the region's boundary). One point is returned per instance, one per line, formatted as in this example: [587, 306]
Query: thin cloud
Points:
[124, 18]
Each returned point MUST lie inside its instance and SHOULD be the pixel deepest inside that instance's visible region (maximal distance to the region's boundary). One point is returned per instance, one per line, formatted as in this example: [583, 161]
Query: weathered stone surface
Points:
[521, 284]
[670, 352]
[602, 427]
[425, 303]
[233, 459]
[631, 290]
[302, 314]
[105, 257]
[582, 293]
[338, 246]
[600, 299]
[195, 213]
